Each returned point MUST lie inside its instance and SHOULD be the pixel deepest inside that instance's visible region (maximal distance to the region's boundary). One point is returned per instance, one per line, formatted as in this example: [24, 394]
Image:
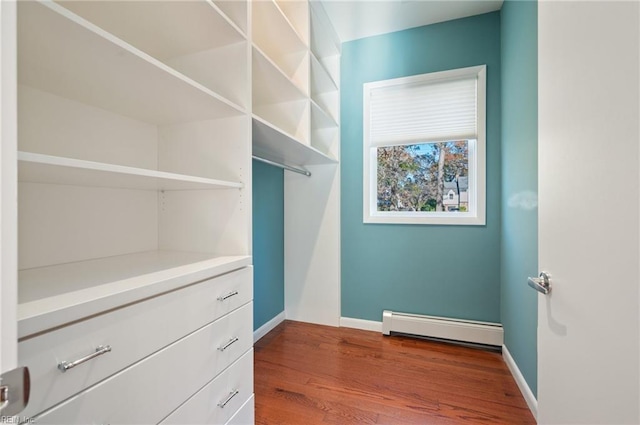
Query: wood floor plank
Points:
[312, 374]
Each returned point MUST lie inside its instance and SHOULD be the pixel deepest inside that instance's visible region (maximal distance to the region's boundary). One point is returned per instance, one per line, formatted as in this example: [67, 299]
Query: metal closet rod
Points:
[284, 166]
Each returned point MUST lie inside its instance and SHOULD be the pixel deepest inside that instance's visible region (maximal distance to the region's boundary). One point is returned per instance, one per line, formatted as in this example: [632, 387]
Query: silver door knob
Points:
[541, 284]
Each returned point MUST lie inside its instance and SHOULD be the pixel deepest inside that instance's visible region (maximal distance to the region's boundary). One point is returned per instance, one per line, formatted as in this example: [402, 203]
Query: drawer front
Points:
[246, 415]
[132, 332]
[205, 407]
[150, 390]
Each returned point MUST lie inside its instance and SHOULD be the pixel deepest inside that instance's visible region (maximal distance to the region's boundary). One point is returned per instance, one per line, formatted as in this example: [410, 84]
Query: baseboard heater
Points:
[441, 327]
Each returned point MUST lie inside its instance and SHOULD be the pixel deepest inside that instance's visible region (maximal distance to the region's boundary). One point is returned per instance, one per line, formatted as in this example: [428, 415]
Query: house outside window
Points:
[424, 148]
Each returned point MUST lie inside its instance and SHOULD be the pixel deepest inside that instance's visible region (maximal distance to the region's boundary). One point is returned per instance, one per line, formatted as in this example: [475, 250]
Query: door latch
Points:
[15, 386]
[541, 284]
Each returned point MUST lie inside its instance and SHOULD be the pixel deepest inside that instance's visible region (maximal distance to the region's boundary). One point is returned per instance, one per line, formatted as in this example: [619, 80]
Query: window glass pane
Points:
[423, 177]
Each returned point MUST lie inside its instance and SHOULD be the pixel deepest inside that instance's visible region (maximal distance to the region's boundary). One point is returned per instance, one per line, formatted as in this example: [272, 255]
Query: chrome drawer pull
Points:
[100, 350]
[232, 394]
[229, 295]
[228, 344]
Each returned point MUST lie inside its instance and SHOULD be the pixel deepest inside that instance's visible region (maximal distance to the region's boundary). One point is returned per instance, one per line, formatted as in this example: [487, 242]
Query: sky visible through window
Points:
[420, 177]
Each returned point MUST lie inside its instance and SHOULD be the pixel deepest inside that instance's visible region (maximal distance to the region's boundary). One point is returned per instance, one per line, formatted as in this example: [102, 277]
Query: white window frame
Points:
[477, 158]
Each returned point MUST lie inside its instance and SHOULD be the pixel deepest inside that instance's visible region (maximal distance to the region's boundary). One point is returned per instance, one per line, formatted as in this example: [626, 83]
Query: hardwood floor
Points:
[310, 374]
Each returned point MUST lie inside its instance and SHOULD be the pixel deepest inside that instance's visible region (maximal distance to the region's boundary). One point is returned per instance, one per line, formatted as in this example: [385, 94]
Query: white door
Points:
[589, 193]
[8, 197]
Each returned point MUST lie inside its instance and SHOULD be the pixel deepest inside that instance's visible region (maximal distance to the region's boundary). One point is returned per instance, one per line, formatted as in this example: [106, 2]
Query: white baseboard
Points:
[531, 400]
[365, 325]
[268, 327]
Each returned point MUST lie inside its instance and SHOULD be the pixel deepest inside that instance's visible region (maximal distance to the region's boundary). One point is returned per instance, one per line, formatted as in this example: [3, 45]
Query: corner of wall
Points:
[519, 231]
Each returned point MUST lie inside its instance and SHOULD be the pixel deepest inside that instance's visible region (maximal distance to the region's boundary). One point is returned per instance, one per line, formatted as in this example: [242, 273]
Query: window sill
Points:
[460, 219]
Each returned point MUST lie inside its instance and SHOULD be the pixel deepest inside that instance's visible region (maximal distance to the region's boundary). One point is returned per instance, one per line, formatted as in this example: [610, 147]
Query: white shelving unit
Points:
[293, 92]
[296, 122]
[133, 160]
[325, 74]
[136, 124]
[130, 142]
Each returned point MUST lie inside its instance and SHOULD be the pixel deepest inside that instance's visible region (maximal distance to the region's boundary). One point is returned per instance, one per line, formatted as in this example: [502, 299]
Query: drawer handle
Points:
[232, 394]
[228, 344]
[100, 350]
[229, 295]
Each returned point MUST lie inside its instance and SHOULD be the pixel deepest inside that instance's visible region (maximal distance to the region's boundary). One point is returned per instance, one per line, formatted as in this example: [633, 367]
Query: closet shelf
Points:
[236, 13]
[54, 295]
[270, 83]
[324, 41]
[277, 30]
[275, 145]
[62, 53]
[164, 30]
[321, 118]
[321, 80]
[297, 15]
[39, 168]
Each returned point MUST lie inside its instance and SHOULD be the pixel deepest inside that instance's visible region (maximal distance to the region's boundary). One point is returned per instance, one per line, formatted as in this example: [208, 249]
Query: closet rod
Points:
[286, 167]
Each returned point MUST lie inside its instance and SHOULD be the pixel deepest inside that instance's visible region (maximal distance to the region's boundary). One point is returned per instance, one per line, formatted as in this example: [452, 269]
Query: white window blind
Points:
[428, 111]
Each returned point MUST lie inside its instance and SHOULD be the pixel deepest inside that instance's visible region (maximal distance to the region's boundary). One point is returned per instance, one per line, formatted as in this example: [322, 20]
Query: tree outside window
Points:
[413, 177]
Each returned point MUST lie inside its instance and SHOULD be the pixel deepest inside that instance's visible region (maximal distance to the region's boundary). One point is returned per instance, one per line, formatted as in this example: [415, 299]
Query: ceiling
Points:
[355, 19]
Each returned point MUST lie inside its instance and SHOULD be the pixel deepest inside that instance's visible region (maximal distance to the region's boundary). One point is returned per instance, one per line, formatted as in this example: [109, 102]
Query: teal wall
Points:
[451, 271]
[519, 309]
[268, 242]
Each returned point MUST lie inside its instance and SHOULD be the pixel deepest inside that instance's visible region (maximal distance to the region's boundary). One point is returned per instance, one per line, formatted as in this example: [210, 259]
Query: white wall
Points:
[312, 245]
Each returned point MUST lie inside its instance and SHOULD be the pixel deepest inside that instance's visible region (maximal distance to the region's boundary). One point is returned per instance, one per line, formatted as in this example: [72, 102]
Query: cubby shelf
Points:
[236, 12]
[297, 14]
[270, 83]
[321, 80]
[53, 295]
[68, 55]
[278, 39]
[274, 28]
[39, 168]
[321, 118]
[324, 41]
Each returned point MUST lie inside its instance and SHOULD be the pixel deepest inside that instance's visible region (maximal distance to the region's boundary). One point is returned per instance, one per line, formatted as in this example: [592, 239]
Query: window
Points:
[424, 148]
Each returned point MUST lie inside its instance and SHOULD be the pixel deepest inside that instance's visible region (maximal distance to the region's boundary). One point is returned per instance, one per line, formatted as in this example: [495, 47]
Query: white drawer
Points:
[150, 390]
[205, 406]
[132, 332]
[246, 414]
